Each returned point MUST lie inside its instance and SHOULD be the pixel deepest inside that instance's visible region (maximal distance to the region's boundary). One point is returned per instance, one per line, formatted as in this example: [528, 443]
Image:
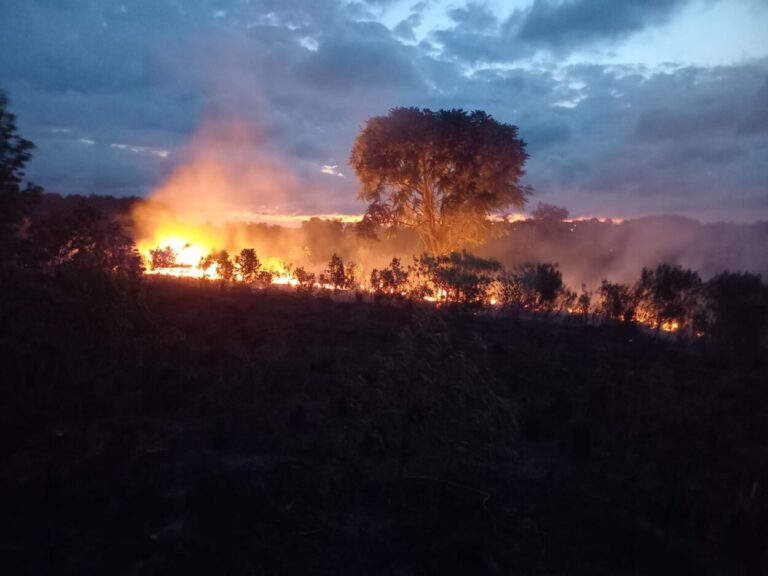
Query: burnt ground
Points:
[232, 432]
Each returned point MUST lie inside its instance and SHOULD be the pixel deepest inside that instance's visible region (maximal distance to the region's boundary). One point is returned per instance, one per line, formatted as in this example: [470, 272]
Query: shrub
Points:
[540, 285]
[391, 281]
[584, 303]
[462, 277]
[225, 268]
[306, 280]
[617, 302]
[337, 275]
[669, 296]
[162, 258]
[247, 264]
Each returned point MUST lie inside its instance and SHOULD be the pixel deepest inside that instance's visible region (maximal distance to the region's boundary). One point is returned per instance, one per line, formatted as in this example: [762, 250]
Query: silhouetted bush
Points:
[584, 303]
[247, 264]
[84, 240]
[549, 213]
[541, 285]
[338, 275]
[737, 313]
[160, 258]
[617, 302]
[459, 277]
[669, 296]
[16, 198]
[390, 281]
[306, 280]
[225, 267]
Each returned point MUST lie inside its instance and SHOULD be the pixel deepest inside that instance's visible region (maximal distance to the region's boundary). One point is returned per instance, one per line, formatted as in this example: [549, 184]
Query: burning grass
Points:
[667, 299]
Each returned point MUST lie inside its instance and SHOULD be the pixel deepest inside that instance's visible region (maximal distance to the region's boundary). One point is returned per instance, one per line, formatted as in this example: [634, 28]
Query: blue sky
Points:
[629, 108]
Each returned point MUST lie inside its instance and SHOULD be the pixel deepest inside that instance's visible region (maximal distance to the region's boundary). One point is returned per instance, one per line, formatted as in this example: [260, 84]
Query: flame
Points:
[647, 318]
[189, 249]
[228, 170]
[670, 326]
[281, 274]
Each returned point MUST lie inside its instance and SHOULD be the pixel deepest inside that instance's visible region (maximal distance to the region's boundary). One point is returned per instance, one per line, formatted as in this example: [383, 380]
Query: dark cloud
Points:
[570, 24]
[405, 28]
[756, 120]
[364, 54]
[543, 133]
[474, 16]
[556, 26]
[705, 155]
[677, 124]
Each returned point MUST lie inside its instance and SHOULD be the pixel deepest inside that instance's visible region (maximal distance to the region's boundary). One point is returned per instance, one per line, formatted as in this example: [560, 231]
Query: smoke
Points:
[230, 168]
[228, 175]
[232, 178]
[589, 251]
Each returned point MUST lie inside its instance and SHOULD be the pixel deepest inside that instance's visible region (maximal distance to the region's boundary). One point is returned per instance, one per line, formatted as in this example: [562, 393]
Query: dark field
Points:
[222, 431]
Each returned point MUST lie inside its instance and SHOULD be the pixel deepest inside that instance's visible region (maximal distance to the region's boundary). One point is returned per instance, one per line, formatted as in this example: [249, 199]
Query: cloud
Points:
[552, 28]
[331, 170]
[474, 16]
[137, 79]
[569, 24]
[676, 124]
[405, 28]
[756, 120]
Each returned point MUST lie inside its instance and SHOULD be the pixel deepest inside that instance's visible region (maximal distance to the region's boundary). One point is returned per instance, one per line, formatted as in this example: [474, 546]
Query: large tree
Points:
[441, 173]
[15, 198]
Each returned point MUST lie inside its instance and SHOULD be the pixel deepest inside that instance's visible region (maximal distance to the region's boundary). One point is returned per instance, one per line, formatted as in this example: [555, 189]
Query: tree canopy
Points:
[549, 213]
[441, 173]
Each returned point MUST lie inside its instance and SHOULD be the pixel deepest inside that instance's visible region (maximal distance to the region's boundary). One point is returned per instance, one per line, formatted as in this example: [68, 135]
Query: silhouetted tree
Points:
[306, 280]
[549, 213]
[391, 280]
[162, 258]
[85, 264]
[441, 173]
[247, 264]
[225, 268]
[512, 295]
[584, 303]
[15, 198]
[85, 239]
[617, 302]
[541, 285]
[338, 275]
[669, 294]
[264, 277]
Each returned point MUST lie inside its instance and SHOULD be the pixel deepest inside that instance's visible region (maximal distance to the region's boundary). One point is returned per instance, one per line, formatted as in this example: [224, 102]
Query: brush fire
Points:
[187, 230]
[185, 251]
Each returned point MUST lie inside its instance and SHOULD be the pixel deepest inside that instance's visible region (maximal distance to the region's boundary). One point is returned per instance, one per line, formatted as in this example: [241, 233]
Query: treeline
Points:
[93, 258]
[587, 250]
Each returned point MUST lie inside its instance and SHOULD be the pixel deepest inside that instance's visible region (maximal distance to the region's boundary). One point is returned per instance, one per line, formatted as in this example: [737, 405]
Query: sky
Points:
[629, 108]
